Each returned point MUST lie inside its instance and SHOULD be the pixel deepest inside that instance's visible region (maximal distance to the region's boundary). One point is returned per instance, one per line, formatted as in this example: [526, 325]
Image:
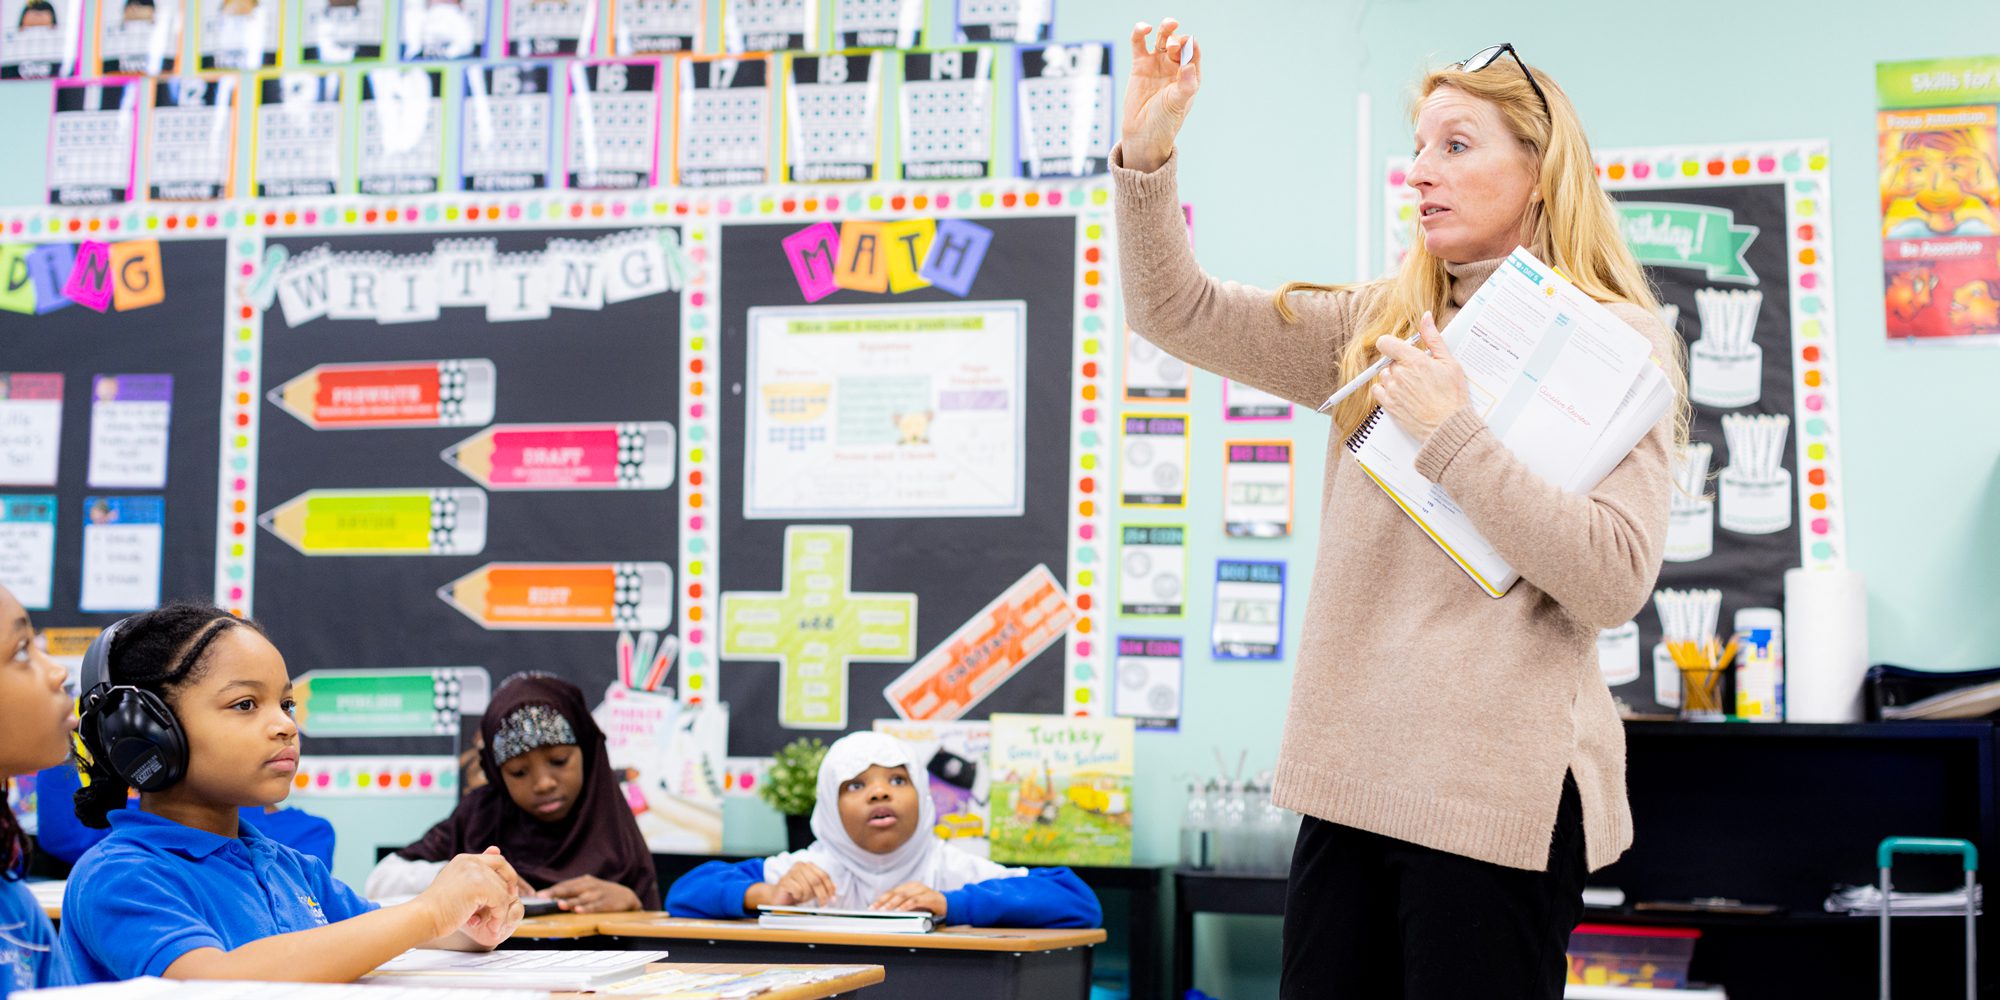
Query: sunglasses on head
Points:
[1489, 55]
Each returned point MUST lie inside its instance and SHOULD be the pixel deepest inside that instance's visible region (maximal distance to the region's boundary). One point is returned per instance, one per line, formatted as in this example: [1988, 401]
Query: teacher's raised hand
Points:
[1158, 93]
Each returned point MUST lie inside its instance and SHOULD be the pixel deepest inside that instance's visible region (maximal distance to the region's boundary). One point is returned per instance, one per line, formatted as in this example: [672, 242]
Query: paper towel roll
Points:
[1826, 645]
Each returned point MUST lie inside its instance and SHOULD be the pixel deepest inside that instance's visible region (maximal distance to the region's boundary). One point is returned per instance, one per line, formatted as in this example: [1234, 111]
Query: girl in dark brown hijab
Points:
[551, 803]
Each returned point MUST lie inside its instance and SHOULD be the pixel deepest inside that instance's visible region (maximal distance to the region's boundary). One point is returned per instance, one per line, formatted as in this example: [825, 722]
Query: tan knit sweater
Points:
[1422, 709]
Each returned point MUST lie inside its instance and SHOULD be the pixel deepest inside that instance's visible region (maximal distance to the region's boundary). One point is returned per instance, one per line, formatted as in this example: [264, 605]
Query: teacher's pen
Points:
[1362, 379]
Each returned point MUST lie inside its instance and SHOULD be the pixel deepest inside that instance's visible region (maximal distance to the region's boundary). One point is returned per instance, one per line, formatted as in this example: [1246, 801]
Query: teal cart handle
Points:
[1892, 846]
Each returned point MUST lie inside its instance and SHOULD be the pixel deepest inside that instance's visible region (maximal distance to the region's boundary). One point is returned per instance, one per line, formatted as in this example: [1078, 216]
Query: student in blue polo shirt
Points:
[193, 707]
[39, 721]
[62, 836]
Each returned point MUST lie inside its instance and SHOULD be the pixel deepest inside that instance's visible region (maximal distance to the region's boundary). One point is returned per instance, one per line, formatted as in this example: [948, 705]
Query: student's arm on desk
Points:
[1044, 897]
[1597, 554]
[714, 891]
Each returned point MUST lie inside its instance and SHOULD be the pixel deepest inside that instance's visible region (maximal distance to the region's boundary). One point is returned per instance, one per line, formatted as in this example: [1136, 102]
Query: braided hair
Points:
[159, 651]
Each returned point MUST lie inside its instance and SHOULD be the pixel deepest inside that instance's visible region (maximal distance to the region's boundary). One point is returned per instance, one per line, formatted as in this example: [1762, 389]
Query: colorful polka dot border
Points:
[242, 366]
[700, 432]
[1086, 687]
[369, 777]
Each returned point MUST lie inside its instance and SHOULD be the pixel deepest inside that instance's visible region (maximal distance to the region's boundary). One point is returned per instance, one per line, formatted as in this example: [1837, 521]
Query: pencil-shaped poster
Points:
[457, 393]
[296, 149]
[343, 31]
[93, 142]
[833, 117]
[722, 122]
[40, 39]
[419, 522]
[614, 124]
[878, 24]
[947, 108]
[139, 37]
[240, 34]
[629, 456]
[401, 131]
[643, 27]
[507, 135]
[191, 152]
[545, 29]
[444, 29]
[770, 25]
[565, 596]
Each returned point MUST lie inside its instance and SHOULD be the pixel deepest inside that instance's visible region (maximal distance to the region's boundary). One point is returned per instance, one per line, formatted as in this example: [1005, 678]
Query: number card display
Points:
[240, 34]
[639, 27]
[1153, 374]
[722, 123]
[138, 37]
[1249, 610]
[1063, 109]
[121, 553]
[401, 131]
[40, 39]
[28, 549]
[1006, 20]
[1155, 450]
[878, 24]
[507, 135]
[191, 152]
[546, 28]
[1152, 570]
[297, 146]
[833, 117]
[614, 124]
[770, 25]
[343, 31]
[444, 29]
[1149, 683]
[1244, 402]
[30, 427]
[947, 109]
[93, 153]
[1257, 489]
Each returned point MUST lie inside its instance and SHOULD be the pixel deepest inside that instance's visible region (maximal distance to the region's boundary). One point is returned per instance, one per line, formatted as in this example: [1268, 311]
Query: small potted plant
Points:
[791, 786]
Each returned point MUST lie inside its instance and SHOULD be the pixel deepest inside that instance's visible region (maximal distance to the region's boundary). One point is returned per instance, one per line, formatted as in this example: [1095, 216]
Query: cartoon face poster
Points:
[1938, 155]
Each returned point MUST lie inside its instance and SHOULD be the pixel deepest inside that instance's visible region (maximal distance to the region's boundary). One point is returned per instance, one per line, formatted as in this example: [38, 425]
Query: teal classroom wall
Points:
[1269, 165]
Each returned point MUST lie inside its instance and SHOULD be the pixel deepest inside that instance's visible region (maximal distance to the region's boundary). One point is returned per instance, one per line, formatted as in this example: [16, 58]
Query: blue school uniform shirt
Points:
[65, 837]
[155, 890]
[1044, 897]
[27, 943]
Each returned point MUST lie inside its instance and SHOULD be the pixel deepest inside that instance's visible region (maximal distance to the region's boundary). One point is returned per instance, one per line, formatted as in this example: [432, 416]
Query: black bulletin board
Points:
[620, 364]
[954, 565]
[182, 336]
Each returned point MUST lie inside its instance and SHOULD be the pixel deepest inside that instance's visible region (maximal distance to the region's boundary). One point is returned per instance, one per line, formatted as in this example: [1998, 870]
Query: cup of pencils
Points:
[1687, 627]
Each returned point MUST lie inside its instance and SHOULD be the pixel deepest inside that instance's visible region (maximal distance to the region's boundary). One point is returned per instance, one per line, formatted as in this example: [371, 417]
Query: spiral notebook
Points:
[1568, 387]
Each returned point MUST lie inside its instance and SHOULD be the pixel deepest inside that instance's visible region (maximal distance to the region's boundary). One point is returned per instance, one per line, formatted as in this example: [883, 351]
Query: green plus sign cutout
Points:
[815, 627]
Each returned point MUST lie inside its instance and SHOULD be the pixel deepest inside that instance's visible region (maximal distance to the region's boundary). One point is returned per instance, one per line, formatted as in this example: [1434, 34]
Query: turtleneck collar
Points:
[1466, 278]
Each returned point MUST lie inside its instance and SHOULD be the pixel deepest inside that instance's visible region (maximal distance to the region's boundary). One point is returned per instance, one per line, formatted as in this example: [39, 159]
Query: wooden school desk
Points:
[559, 930]
[868, 976]
[963, 963]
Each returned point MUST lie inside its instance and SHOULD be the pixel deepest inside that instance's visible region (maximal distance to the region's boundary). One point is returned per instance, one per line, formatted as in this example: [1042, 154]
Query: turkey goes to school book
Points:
[1062, 790]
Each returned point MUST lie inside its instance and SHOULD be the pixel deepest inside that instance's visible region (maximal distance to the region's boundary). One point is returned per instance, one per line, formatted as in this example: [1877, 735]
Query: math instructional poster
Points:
[1940, 183]
[1736, 245]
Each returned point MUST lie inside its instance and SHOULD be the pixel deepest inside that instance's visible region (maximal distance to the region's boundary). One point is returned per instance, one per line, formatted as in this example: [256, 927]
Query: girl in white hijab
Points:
[877, 849]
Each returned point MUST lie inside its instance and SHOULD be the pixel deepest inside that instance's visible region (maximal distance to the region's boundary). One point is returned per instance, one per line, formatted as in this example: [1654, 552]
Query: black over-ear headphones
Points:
[141, 740]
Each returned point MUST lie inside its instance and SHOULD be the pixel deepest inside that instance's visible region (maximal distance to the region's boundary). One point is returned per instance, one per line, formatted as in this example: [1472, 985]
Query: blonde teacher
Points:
[1457, 758]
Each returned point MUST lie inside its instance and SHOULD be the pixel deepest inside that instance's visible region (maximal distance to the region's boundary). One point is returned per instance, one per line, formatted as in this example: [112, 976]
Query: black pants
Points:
[1369, 917]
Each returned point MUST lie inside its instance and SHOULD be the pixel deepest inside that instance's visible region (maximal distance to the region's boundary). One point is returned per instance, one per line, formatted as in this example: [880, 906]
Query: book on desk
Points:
[817, 918]
[541, 970]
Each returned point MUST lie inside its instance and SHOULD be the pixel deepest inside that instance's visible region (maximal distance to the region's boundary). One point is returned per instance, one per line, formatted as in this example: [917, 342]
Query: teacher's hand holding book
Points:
[1158, 93]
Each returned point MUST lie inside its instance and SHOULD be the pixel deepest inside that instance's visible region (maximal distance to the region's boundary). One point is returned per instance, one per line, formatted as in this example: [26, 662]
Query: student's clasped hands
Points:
[479, 894]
